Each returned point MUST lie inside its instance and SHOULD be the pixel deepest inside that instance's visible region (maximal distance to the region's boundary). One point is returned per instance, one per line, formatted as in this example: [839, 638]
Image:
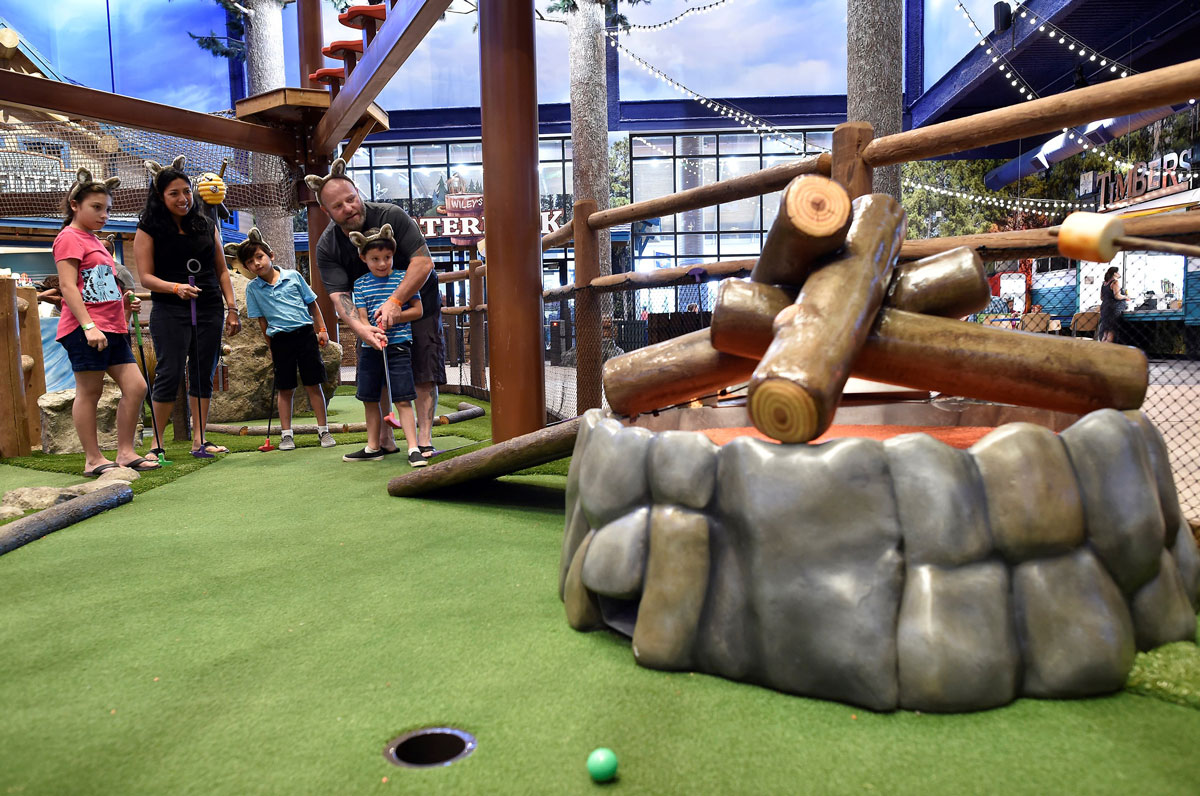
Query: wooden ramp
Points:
[527, 450]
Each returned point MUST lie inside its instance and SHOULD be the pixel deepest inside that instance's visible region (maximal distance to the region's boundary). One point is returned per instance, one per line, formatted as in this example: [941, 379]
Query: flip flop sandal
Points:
[428, 451]
[100, 469]
[142, 465]
[202, 454]
[212, 447]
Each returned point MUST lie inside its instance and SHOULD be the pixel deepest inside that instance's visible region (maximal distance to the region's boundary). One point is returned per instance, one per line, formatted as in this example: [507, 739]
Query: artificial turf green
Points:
[267, 624]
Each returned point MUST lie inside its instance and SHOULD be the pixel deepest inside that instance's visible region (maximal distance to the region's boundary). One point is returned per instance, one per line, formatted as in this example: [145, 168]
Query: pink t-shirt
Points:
[97, 282]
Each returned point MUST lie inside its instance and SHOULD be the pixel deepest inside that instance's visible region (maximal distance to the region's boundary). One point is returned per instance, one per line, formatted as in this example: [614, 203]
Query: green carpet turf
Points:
[268, 623]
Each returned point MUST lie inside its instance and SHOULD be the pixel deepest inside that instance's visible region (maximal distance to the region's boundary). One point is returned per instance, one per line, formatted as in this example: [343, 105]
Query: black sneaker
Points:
[364, 455]
[415, 459]
[389, 451]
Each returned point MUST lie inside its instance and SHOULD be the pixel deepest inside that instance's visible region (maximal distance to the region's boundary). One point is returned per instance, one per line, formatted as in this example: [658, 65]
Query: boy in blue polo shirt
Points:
[371, 290]
[290, 319]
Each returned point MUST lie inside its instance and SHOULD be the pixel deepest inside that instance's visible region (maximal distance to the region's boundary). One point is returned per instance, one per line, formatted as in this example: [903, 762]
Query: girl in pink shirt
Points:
[93, 328]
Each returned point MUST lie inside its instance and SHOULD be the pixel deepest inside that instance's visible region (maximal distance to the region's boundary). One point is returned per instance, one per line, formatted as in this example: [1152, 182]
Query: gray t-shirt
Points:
[340, 265]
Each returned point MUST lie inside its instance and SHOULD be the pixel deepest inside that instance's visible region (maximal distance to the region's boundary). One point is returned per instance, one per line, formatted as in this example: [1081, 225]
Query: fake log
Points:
[950, 284]
[465, 411]
[23, 531]
[1025, 368]
[814, 216]
[796, 387]
[257, 431]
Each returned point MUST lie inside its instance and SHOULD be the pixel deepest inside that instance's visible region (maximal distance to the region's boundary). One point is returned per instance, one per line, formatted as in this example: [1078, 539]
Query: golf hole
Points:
[430, 748]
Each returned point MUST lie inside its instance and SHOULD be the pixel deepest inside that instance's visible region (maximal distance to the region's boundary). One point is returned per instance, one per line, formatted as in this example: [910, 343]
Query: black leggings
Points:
[179, 351]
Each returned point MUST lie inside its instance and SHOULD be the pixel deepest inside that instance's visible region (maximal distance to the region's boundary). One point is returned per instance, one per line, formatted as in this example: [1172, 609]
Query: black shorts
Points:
[84, 358]
[184, 351]
[297, 349]
[429, 349]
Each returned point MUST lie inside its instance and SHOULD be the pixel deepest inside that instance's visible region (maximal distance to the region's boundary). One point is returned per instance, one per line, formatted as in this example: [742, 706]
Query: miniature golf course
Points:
[268, 622]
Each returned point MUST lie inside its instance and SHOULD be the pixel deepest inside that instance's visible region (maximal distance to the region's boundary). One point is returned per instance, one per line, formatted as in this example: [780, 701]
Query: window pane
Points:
[471, 176]
[466, 153]
[742, 214]
[362, 178]
[360, 159]
[550, 150]
[550, 178]
[741, 244]
[391, 185]
[568, 150]
[652, 179]
[390, 155]
[429, 153]
[693, 173]
[653, 146]
[696, 249]
[771, 200]
[739, 144]
[818, 142]
[426, 183]
[653, 251]
[784, 143]
[697, 145]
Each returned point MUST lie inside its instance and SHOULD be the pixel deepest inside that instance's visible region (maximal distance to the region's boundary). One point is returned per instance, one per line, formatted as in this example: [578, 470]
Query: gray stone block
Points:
[1075, 631]
[612, 477]
[577, 528]
[616, 560]
[939, 497]
[1120, 496]
[956, 643]
[1161, 610]
[683, 468]
[587, 422]
[725, 644]
[1187, 559]
[1160, 463]
[676, 585]
[1033, 504]
[817, 528]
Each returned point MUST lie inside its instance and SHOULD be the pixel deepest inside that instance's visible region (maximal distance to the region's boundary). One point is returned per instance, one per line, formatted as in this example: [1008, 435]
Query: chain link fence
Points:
[1051, 297]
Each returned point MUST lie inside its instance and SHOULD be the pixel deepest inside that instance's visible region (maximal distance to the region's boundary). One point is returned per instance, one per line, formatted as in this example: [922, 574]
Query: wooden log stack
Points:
[855, 312]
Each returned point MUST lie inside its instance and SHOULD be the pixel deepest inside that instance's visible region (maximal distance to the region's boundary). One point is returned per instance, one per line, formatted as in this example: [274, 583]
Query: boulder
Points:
[248, 394]
[58, 429]
[39, 497]
[11, 512]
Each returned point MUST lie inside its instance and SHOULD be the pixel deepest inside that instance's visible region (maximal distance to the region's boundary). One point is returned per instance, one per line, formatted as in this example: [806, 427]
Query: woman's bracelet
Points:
[175, 288]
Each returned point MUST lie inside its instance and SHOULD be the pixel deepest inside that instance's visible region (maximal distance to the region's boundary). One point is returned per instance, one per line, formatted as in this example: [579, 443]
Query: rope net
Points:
[38, 161]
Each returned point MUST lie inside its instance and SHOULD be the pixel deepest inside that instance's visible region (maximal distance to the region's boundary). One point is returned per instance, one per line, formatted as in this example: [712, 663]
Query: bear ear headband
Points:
[337, 171]
[253, 236]
[83, 179]
[155, 168]
[362, 241]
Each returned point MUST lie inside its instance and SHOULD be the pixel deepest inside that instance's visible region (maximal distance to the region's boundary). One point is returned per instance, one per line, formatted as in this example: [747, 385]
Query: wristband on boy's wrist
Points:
[321, 330]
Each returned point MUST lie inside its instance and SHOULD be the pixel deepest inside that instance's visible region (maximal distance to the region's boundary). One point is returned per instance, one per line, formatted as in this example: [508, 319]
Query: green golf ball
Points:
[602, 764]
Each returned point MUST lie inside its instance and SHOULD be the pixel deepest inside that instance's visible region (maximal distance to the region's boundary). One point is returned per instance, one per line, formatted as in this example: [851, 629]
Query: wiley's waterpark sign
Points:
[461, 220]
[1146, 180]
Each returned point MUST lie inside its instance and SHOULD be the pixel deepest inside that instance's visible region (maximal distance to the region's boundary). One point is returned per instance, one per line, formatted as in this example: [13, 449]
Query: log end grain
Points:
[784, 410]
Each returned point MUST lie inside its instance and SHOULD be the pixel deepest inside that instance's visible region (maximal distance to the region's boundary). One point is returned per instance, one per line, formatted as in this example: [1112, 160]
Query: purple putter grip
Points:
[192, 282]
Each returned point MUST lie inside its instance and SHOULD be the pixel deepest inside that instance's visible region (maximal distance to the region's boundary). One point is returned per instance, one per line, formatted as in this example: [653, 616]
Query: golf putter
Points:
[192, 271]
[267, 446]
[137, 327]
[390, 417]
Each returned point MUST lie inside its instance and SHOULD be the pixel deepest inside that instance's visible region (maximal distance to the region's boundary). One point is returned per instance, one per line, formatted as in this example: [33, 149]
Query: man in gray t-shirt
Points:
[340, 265]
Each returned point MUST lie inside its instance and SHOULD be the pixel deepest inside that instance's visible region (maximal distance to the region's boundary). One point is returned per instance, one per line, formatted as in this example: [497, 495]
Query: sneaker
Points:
[327, 440]
[389, 451]
[415, 459]
[287, 443]
[364, 455]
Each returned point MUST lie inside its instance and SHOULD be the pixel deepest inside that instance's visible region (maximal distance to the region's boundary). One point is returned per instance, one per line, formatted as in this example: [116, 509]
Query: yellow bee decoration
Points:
[211, 188]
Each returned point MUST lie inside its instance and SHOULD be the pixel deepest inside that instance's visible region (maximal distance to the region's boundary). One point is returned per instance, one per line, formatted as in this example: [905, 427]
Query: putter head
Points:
[390, 419]
[202, 454]
[266, 446]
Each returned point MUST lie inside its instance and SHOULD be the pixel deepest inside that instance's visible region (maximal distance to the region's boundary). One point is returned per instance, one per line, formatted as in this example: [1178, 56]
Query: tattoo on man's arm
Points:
[346, 308]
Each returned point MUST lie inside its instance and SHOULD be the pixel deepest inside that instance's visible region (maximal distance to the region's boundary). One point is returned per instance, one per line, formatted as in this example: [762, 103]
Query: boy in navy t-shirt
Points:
[371, 290]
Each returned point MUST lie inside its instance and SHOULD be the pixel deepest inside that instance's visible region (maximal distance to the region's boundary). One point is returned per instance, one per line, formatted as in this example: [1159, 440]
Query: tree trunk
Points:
[264, 72]
[589, 119]
[874, 72]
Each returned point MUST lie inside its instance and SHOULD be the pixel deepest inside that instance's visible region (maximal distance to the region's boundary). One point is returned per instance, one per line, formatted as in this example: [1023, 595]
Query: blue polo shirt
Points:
[284, 304]
[370, 292]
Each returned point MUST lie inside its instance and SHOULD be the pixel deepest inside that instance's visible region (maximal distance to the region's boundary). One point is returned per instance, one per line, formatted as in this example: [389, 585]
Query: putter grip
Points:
[192, 282]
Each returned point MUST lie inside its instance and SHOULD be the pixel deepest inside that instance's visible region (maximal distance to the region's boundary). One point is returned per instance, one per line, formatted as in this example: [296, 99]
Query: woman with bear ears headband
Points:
[179, 255]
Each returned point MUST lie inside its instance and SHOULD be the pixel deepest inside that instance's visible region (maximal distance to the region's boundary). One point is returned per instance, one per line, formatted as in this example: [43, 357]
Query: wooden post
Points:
[31, 346]
[849, 168]
[308, 31]
[14, 423]
[476, 350]
[588, 340]
[317, 222]
[508, 100]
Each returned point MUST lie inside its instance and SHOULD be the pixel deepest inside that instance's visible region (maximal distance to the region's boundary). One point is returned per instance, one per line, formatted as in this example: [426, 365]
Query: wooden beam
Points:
[1166, 86]
[399, 35]
[41, 94]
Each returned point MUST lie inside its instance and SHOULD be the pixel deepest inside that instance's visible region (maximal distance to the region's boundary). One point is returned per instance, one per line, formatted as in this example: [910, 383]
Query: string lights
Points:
[1074, 45]
[685, 161]
[1043, 206]
[676, 20]
[755, 124]
[1002, 63]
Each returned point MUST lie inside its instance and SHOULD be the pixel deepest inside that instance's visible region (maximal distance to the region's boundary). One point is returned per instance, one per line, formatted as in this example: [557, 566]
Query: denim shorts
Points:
[370, 373]
[84, 358]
